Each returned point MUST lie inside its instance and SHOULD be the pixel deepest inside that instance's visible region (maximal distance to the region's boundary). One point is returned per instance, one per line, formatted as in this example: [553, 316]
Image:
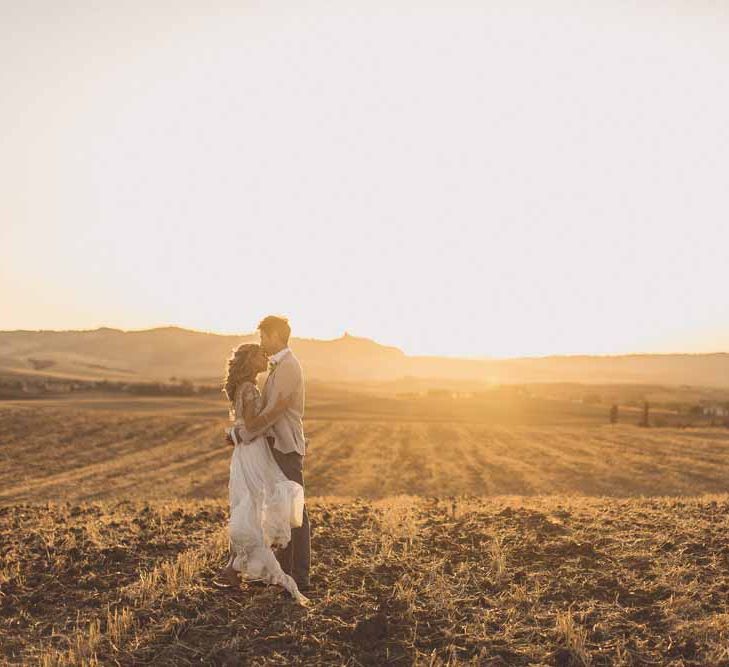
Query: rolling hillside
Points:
[159, 354]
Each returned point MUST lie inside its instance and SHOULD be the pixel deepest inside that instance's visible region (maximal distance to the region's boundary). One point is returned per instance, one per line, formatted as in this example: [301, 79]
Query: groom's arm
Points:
[258, 423]
[287, 382]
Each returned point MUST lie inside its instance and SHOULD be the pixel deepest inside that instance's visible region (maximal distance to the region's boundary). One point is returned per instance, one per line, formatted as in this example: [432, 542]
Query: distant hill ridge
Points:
[162, 353]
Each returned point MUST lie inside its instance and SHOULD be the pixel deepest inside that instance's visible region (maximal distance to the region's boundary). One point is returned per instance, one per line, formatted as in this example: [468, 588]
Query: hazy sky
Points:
[483, 179]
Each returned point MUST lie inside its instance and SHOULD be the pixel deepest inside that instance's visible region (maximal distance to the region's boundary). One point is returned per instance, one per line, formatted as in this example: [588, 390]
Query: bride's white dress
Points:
[264, 504]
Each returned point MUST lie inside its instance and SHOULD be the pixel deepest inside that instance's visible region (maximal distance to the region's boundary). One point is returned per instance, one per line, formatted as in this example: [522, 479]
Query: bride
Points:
[264, 504]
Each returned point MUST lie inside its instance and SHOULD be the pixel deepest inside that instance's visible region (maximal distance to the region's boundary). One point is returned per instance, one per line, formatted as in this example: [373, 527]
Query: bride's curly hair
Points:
[239, 369]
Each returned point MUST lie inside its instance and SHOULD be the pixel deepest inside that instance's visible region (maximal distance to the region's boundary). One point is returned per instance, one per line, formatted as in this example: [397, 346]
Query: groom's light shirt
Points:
[286, 379]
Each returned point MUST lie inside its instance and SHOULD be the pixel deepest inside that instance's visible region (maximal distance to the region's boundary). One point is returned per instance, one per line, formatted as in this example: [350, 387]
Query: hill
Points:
[159, 354]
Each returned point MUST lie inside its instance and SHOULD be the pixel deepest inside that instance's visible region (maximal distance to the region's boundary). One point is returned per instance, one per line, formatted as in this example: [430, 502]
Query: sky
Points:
[466, 179]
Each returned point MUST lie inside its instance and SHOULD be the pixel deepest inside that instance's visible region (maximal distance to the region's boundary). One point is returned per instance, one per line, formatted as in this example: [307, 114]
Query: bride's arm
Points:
[257, 422]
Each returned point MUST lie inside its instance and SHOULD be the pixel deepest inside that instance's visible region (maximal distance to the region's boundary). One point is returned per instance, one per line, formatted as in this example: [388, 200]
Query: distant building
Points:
[716, 410]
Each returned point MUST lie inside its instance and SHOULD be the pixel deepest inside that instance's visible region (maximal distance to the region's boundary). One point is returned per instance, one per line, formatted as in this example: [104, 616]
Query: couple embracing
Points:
[266, 487]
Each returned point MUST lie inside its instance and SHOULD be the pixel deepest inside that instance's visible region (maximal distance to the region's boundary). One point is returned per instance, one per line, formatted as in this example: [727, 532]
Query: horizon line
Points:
[346, 334]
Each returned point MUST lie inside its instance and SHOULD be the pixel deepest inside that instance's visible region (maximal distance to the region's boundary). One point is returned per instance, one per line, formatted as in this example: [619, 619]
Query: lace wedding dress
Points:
[264, 504]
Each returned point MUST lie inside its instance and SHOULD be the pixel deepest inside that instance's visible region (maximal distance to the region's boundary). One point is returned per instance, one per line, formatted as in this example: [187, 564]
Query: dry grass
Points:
[510, 581]
[574, 638]
[171, 577]
[68, 569]
[498, 559]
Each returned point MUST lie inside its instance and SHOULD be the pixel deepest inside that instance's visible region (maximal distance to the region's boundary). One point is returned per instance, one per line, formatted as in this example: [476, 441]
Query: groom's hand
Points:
[228, 439]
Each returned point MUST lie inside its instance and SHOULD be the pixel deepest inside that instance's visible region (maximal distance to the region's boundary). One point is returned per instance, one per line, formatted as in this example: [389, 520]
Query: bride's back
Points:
[247, 393]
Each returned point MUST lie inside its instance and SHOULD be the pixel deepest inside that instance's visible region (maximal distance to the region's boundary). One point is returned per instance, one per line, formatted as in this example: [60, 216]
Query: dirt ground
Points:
[173, 450]
[499, 581]
[435, 542]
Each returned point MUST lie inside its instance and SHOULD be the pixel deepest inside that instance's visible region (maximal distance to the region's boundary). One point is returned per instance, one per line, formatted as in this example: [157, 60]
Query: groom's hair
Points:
[276, 325]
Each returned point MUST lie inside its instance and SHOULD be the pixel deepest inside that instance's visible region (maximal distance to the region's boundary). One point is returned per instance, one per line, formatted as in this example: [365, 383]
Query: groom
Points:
[285, 437]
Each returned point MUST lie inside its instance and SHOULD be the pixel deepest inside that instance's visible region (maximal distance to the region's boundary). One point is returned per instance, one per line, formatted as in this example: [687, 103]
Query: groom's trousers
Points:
[295, 559]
